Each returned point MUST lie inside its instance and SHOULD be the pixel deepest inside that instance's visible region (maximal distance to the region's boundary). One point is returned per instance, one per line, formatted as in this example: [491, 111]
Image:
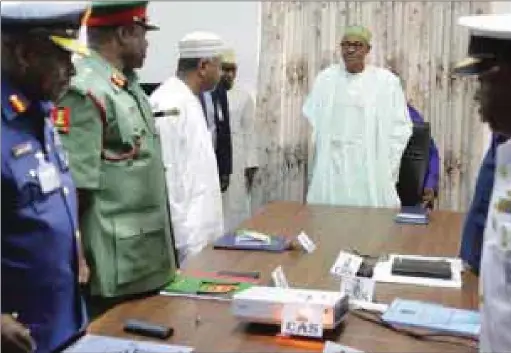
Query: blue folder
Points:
[434, 317]
[278, 244]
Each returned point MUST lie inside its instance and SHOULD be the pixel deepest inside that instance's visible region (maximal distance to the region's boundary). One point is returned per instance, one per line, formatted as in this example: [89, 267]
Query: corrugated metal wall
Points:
[300, 38]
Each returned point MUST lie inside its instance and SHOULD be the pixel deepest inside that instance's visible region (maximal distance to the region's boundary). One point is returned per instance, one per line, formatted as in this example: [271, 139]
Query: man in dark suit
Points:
[216, 110]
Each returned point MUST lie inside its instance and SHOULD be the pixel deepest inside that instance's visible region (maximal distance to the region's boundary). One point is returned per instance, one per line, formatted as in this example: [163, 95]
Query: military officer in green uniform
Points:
[107, 127]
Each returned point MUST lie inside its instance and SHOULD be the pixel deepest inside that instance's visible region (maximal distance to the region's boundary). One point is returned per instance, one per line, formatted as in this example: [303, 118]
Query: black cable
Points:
[430, 336]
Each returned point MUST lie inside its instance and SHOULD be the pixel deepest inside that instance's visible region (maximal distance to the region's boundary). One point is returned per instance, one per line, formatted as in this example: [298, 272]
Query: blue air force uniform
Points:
[39, 205]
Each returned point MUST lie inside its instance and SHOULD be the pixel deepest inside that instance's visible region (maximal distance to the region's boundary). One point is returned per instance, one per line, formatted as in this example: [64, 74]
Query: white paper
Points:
[346, 265]
[279, 278]
[411, 216]
[332, 347]
[302, 320]
[383, 273]
[358, 288]
[105, 344]
[364, 305]
[251, 237]
[306, 243]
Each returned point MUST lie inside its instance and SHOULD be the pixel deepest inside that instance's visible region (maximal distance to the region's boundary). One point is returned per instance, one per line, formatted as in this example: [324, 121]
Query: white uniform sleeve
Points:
[400, 126]
[172, 129]
[248, 125]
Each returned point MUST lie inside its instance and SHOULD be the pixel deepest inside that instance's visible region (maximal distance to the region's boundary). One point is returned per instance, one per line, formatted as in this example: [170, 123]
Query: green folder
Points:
[207, 286]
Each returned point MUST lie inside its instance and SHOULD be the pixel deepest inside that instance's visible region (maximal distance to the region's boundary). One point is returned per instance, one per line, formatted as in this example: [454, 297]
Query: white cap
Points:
[490, 38]
[229, 57]
[200, 45]
[490, 26]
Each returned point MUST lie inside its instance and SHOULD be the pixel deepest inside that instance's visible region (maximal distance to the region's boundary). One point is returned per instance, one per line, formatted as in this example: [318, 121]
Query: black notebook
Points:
[440, 269]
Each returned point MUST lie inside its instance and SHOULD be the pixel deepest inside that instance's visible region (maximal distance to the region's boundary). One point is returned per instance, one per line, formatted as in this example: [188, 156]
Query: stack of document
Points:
[412, 215]
[252, 240]
[434, 317]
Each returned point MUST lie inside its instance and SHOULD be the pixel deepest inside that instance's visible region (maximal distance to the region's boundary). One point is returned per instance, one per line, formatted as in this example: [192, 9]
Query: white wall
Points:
[501, 6]
[237, 22]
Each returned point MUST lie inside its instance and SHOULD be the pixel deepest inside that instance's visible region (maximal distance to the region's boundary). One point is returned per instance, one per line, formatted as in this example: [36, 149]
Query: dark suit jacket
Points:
[223, 148]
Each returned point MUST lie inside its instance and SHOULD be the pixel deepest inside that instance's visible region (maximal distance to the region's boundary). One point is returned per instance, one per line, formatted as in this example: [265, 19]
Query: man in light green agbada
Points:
[107, 127]
[360, 127]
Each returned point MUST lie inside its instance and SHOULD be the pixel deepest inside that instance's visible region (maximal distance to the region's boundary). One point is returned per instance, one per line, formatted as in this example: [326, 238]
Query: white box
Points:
[265, 304]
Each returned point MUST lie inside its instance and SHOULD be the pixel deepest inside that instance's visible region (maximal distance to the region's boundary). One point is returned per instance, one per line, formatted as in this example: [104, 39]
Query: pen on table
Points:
[252, 275]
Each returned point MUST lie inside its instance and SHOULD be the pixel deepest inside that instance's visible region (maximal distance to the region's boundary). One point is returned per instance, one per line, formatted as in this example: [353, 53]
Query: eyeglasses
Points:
[354, 45]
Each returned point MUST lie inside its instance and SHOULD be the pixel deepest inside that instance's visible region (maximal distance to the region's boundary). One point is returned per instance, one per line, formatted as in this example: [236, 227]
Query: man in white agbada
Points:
[490, 59]
[360, 127]
[191, 168]
[236, 199]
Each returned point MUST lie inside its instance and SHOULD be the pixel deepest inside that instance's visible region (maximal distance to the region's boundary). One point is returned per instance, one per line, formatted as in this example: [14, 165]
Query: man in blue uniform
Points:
[41, 303]
[475, 222]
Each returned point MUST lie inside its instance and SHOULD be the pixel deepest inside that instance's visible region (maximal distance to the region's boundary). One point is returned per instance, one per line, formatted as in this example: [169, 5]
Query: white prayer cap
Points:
[229, 57]
[200, 45]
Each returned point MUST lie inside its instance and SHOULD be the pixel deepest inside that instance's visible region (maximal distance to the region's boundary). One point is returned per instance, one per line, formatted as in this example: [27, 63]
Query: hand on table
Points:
[428, 198]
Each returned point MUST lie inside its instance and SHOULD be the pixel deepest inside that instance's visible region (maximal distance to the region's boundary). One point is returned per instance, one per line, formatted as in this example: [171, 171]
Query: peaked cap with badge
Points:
[119, 13]
[115, 157]
[56, 21]
[490, 42]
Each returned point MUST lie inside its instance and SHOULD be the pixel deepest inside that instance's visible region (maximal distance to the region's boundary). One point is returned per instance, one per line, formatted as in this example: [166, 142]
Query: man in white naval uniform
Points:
[490, 52]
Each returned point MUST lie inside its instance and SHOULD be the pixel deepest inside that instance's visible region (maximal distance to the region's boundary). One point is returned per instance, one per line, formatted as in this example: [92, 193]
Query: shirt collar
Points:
[15, 103]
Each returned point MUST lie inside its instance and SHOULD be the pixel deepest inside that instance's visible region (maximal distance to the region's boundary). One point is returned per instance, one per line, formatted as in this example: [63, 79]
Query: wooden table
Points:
[370, 231]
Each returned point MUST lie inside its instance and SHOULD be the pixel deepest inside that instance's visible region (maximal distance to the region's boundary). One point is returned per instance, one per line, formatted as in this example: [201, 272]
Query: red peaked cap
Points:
[119, 13]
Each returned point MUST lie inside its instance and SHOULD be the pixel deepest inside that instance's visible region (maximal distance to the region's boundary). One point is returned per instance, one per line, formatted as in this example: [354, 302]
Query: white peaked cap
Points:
[490, 26]
[200, 45]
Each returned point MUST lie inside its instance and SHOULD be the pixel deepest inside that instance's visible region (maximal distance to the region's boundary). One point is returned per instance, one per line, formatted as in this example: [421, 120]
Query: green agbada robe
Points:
[115, 155]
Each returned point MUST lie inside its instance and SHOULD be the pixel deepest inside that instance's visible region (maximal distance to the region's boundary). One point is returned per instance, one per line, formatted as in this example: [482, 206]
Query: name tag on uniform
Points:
[48, 175]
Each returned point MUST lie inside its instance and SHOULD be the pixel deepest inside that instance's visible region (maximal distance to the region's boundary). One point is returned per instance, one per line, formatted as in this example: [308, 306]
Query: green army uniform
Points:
[115, 156]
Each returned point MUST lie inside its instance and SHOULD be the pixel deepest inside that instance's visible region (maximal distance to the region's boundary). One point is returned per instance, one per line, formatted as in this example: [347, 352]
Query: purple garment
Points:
[431, 179]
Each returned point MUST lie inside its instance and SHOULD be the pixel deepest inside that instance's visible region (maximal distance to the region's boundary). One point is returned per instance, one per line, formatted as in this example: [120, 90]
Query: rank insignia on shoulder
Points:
[118, 80]
[17, 104]
[22, 149]
[60, 119]
[168, 112]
